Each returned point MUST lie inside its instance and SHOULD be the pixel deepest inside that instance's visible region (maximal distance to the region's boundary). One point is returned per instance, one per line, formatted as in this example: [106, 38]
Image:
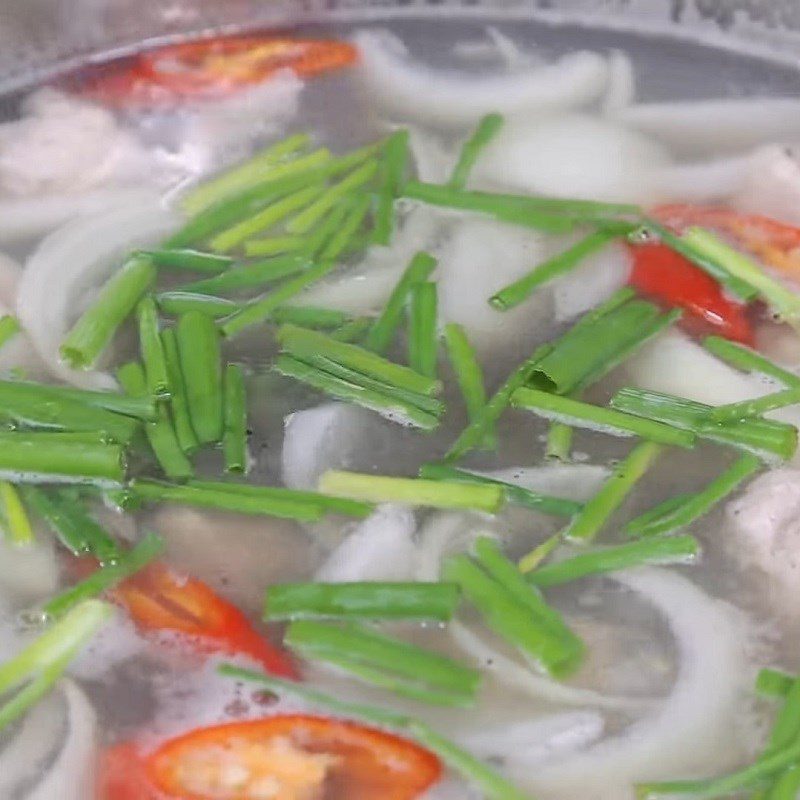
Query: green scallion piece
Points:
[393, 169]
[273, 245]
[105, 578]
[201, 365]
[252, 275]
[695, 505]
[261, 165]
[311, 316]
[786, 728]
[71, 523]
[353, 331]
[770, 440]
[39, 665]
[519, 291]
[388, 405]
[390, 663]
[756, 407]
[383, 329]
[302, 342]
[361, 600]
[179, 402]
[331, 197]
[774, 683]
[155, 364]
[9, 327]
[749, 360]
[487, 128]
[559, 442]
[539, 553]
[661, 550]
[176, 303]
[234, 437]
[325, 230]
[184, 258]
[784, 302]
[787, 785]
[94, 330]
[351, 224]
[262, 308]
[16, 524]
[596, 512]
[160, 433]
[422, 335]
[265, 218]
[517, 495]
[598, 418]
[412, 491]
[511, 620]
[271, 504]
[467, 369]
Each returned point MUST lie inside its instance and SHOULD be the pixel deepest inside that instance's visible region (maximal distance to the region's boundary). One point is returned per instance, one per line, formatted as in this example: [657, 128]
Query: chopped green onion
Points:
[493, 785]
[748, 360]
[201, 365]
[71, 523]
[105, 578]
[755, 408]
[412, 491]
[598, 418]
[770, 440]
[361, 600]
[517, 495]
[302, 342]
[311, 316]
[594, 515]
[160, 433]
[49, 458]
[661, 550]
[539, 553]
[773, 683]
[261, 165]
[559, 441]
[787, 785]
[311, 215]
[784, 302]
[695, 505]
[467, 369]
[183, 258]
[44, 660]
[176, 303]
[262, 308]
[393, 168]
[388, 405]
[93, 331]
[325, 231]
[390, 663]
[179, 402]
[786, 728]
[258, 274]
[511, 620]
[273, 245]
[487, 128]
[351, 223]
[151, 348]
[265, 218]
[519, 291]
[234, 437]
[422, 338]
[383, 329]
[353, 331]
[17, 525]
[9, 327]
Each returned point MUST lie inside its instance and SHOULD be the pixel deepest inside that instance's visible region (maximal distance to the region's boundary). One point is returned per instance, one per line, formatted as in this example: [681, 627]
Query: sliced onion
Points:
[695, 730]
[703, 181]
[442, 97]
[28, 572]
[381, 548]
[571, 481]
[621, 88]
[71, 776]
[771, 184]
[523, 679]
[10, 276]
[573, 155]
[433, 160]
[62, 276]
[707, 127]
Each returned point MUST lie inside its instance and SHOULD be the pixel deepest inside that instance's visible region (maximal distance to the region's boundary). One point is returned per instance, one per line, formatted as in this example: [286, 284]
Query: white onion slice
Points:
[695, 731]
[621, 89]
[771, 184]
[703, 181]
[28, 572]
[27, 218]
[571, 481]
[447, 98]
[64, 272]
[71, 776]
[707, 127]
[442, 534]
[381, 548]
[433, 160]
[10, 276]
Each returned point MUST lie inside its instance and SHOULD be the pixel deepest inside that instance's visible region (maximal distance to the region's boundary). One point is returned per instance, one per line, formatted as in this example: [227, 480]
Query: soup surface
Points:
[401, 412]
